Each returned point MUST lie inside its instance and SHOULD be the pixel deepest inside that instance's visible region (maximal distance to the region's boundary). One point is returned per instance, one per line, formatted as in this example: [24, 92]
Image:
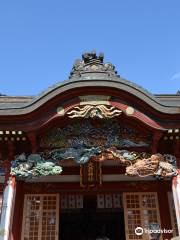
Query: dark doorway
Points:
[89, 223]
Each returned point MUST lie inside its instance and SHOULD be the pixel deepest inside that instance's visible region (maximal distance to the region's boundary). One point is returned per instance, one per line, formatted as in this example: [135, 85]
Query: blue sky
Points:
[39, 41]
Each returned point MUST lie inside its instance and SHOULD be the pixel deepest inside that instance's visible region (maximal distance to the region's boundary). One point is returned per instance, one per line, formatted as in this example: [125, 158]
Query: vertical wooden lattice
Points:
[41, 217]
[140, 209]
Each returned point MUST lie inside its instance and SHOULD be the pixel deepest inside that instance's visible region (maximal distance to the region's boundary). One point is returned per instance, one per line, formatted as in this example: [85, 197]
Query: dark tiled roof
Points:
[169, 99]
[14, 101]
[18, 102]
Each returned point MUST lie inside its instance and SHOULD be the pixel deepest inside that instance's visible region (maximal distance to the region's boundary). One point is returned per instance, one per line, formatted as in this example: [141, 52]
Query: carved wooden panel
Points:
[90, 174]
[106, 133]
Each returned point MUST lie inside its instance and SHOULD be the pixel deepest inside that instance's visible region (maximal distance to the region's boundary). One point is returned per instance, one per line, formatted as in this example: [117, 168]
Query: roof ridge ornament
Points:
[92, 63]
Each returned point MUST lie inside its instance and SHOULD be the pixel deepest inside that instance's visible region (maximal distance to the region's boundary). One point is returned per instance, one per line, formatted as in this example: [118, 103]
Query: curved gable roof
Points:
[91, 72]
[24, 105]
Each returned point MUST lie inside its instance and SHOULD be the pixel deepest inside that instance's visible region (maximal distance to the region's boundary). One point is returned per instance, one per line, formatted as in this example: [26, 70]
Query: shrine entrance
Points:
[88, 216]
[100, 215]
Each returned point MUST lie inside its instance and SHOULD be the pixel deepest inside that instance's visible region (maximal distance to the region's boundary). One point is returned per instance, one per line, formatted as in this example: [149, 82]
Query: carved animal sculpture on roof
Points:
[92, 63]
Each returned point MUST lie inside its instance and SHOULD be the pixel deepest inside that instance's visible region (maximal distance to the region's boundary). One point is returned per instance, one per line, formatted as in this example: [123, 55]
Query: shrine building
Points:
[93, 157]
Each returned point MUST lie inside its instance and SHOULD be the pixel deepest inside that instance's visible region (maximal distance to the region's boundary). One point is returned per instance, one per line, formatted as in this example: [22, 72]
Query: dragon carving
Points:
[137, 164]
[157, 165]
[143, 164]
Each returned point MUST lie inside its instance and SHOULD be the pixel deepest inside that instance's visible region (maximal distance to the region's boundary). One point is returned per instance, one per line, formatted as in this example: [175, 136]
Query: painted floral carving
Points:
[34, 165]
[84, 134]
[137, 164]
[82, 142]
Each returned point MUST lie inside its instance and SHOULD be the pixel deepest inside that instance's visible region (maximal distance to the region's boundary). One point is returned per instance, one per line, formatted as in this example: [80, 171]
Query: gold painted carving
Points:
[94, 111]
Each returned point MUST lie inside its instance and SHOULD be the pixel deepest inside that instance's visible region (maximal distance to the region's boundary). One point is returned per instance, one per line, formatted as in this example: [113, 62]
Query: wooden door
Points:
[140, 209]
[40, 217]
[173, 214]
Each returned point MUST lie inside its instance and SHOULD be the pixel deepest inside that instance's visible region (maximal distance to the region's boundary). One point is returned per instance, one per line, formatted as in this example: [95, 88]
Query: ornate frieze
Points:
[94, 111]
[91, 106]
[87, 142]
[137, 164]
[85, 135]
